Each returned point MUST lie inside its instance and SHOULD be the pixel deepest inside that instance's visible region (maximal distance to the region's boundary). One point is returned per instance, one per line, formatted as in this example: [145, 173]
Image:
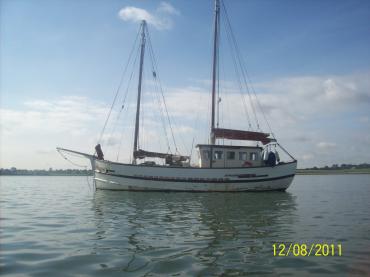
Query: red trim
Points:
[241, 135]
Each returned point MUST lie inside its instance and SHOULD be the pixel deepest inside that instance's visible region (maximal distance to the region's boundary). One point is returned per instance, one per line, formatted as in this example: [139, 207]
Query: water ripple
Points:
[55, 226]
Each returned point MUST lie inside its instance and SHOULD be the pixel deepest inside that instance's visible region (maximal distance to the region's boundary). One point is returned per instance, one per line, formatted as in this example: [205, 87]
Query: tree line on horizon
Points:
[46, 172]
[342, 166]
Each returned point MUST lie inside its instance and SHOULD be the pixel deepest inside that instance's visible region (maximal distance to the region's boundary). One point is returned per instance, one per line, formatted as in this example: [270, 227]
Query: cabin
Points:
[229, 156]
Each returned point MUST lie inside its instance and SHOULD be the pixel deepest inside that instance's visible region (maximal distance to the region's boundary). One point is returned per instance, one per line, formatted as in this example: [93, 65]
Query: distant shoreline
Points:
[45, 175]
[335, 169]
[332, 171]
[299, 172]
[42, 172]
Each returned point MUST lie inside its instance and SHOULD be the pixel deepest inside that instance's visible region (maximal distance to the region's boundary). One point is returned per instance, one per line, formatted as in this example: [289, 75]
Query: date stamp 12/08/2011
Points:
[306, 250]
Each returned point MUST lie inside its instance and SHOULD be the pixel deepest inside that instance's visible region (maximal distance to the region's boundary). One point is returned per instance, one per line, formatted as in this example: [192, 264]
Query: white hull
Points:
[118, 176]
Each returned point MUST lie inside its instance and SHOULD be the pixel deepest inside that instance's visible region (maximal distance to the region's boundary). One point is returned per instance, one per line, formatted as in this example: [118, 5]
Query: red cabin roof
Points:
[242, 135]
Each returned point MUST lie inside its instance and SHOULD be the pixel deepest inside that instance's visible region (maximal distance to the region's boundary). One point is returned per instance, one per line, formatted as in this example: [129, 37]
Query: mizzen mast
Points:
[137, 121]
[215, 67]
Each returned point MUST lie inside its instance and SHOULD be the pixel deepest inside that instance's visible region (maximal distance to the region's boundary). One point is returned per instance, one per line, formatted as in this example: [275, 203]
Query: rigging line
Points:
[224, 89]
[153, 114]
[159, 86]
[209, 120]
[142, 135]
[124, 127]
[246, 74]
[157, 94]
[120, 142]
[259, 104]
[129, 131]
[237, 73]
[161, 90]
[70, 161]
[118, 89]
[191, 150]
[155, 98]
[197, 121]
[161, 109]
[174, 123]
[227, 111]
[163, 121]
[209, 111]
[240, 61]
[75, 164]
[204, 134]
[129, 81]
[245, 71]
[131, 146]
[125, 130]
[162, 116]
[238, 58]
[125, 95]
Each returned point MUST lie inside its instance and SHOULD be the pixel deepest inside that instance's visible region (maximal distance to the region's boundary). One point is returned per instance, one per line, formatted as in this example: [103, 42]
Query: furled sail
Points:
[141, 154]
[242, 135]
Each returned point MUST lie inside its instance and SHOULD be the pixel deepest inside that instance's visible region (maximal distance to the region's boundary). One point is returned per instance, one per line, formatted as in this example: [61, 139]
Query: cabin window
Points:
[230, 155]
[243, 156]
[253, 156]
[206, 154]
[218, 155]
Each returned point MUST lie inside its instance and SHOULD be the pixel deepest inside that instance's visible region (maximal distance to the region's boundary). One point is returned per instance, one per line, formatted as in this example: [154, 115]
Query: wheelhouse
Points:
[224, 156]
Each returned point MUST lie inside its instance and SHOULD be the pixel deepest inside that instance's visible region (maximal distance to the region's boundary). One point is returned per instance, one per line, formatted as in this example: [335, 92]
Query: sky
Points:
[61, 63]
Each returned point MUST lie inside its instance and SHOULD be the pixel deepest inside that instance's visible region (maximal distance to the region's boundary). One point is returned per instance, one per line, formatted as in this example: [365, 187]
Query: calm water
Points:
[57, 226]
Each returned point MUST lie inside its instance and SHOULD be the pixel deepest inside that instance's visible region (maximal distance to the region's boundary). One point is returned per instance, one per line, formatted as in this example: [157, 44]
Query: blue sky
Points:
[61, 62]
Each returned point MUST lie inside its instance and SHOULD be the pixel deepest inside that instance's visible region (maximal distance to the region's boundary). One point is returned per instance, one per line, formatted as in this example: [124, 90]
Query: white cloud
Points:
[307, 157]
[306, 115]
[136, 15]
[364, 119]
[287, 102]
[326, 145]
[183, 129]
[30, 134]
[165, 7]
[306, 96]
[160, 18]
[70, 114]
[314, 114]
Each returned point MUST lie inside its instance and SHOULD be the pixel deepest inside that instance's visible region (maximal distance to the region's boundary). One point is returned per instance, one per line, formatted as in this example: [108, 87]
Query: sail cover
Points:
[242, 135]
[141, 154]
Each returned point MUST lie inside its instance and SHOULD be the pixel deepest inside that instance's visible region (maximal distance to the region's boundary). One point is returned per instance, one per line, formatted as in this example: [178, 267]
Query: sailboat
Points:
[220, 168]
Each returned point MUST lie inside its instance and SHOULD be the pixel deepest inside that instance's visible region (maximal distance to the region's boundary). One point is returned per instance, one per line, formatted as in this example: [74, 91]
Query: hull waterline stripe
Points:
[197, 180]
[198, 168]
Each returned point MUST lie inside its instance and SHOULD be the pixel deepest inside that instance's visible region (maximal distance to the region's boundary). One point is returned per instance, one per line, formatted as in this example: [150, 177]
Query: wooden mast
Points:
[137, 121]
[214, 76]
[215, 66]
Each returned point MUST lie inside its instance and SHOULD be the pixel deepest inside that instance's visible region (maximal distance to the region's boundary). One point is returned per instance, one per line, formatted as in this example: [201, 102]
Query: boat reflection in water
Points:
[187, 233]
